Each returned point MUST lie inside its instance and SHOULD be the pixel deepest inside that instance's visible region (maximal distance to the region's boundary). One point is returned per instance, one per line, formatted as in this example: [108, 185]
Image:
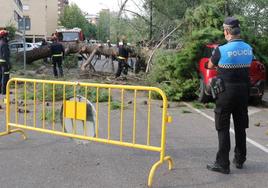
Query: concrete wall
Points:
[36, 11]
[44, 17]
[7, 17]
[52, 16]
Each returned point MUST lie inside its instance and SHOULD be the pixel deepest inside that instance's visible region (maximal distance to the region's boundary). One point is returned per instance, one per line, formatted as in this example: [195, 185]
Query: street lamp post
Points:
[24, 43]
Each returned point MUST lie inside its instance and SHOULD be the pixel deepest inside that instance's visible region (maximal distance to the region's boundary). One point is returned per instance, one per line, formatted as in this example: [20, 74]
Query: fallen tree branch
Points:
[158, 45]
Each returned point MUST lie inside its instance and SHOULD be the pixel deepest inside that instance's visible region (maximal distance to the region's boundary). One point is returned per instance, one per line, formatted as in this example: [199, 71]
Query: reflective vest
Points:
[120, 57]
[57, 55]
[235, 54]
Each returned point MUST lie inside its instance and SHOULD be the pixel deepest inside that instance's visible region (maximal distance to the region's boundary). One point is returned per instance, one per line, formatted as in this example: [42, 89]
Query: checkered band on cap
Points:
[234, 66]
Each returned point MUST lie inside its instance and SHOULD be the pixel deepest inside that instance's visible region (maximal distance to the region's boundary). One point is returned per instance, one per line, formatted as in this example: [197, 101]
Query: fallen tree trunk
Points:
[44, 52]
[70, 48]
[159, 44]
[88, 61]
[83, 48]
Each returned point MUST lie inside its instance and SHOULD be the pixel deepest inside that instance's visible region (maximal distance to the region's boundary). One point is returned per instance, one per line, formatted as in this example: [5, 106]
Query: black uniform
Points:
[4, 64]
[233, 61]
[122, 60]
[57, 51]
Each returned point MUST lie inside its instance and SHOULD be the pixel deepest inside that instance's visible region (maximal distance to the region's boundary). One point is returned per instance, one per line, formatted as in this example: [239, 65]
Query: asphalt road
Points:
[49, 161]
[46, 161]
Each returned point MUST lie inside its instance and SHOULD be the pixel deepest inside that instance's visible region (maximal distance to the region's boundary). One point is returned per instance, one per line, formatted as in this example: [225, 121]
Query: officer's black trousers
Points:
[57, 62]
[122, 66]
[4, 77]
[233, 101]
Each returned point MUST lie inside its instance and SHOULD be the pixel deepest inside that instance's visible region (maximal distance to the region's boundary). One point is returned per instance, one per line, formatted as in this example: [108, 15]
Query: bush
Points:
[176, 73]
[70, 61]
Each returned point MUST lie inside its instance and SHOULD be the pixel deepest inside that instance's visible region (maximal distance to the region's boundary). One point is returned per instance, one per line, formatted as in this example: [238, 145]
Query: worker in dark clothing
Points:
[232, 92]
[122, 60]
[57, 54]
[4, 61]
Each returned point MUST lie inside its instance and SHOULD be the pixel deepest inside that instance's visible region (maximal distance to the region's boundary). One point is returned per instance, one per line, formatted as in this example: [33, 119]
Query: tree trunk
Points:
[88, 61]
[43, 52]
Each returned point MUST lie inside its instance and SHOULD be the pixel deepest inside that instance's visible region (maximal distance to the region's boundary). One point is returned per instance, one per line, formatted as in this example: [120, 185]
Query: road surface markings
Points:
[256, 144]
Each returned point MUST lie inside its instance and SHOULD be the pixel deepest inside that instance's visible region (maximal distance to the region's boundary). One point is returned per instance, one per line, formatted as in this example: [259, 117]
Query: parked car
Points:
[16, 47]
[93, 42]
[257, 77]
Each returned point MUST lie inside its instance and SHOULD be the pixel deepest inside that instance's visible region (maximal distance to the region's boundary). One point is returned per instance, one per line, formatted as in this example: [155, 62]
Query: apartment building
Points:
[92, 18]
[43, 16]
[10, 14]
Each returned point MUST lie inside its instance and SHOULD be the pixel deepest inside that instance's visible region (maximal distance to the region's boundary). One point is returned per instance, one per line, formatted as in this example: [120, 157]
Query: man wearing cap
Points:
[122, 60]
[4, 61]
[57, 54]
[232, 61]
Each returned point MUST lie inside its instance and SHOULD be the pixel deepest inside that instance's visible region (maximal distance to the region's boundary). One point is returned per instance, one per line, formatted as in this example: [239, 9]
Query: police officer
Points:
[57, 54]
[122, 60]
[232, 61]
[4, 61]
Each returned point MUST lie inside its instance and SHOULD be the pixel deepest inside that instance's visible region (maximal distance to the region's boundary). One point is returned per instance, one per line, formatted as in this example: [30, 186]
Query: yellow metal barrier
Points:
[44, 98]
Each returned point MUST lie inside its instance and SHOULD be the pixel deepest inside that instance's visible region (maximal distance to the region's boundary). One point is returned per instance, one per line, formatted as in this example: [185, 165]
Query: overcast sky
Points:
[94, 6]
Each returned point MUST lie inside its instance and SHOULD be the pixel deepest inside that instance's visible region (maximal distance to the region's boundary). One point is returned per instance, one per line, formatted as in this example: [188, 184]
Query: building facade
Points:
[92, 18]
[11, 12]
[43, 16]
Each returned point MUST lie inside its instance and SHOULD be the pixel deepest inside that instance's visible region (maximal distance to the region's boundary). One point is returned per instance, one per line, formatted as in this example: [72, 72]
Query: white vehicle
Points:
[93, 42]
[16, 47]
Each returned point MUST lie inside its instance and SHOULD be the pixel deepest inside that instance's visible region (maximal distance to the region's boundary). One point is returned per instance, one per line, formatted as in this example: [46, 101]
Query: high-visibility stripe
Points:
[6, 72]
[120, 57]
[57, 55]
[2, 61]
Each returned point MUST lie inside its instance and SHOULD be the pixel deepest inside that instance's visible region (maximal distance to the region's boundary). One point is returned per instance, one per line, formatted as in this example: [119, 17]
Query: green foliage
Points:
[11, 31]
[115, 105]
[198, 105]
[58, 92]
[210, 105]
[185, 111]
[73, 17]
[103, 29]
[133, 30]
[70, 61]
[91, 94]
[176, 73]
[49, 115]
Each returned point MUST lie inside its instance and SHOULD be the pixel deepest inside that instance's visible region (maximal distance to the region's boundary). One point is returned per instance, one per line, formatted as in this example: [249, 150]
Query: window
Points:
[19, 4]
[27, 23]
[20, 46]
[26, 7]
[68, 36]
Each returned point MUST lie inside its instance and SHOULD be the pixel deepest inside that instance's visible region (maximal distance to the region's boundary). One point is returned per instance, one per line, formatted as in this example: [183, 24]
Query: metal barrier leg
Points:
[14, 131]
[156, 165]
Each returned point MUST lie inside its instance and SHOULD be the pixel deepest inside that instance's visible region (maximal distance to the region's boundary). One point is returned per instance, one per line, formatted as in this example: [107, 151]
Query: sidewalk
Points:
[265, 96]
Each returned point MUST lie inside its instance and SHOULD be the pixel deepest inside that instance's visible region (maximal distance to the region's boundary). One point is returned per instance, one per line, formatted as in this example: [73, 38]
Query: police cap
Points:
[231, 22]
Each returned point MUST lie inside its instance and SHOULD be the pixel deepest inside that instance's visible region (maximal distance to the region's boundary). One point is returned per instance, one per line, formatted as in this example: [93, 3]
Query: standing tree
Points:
[73, 17]
[103, 27]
